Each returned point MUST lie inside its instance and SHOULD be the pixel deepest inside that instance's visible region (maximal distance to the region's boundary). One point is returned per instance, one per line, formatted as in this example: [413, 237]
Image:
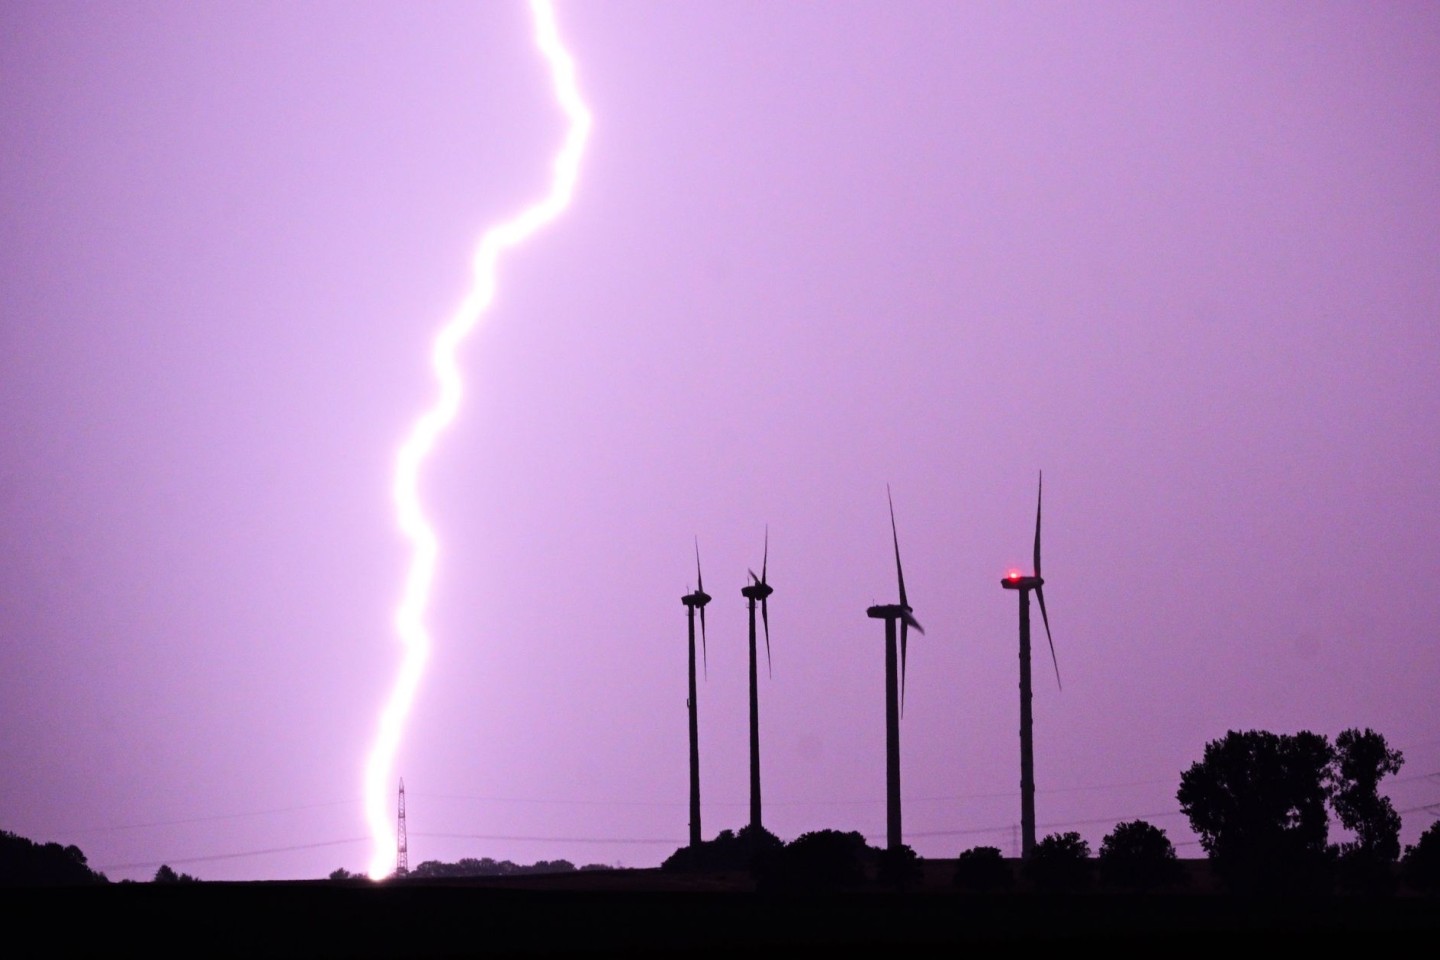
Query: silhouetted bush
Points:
[722, 853]
[898, 868]
[487, 867]
[1421, 866]
[167, 875]
[1060, 863]
[27, 863]
[1362, 870]
[728, 851]
[819, 860]
[1257, 801]
[340, 873]
[983, 870]
[1139, 856]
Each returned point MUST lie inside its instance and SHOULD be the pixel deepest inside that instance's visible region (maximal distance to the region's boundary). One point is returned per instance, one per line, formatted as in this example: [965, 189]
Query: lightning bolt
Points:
[420, 441]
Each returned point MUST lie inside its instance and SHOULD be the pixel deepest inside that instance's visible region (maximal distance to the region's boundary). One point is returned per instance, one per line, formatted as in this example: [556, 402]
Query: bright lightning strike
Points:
[420, 441]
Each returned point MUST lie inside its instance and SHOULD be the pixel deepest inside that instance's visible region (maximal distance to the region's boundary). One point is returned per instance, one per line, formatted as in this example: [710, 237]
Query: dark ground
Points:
[634, 912]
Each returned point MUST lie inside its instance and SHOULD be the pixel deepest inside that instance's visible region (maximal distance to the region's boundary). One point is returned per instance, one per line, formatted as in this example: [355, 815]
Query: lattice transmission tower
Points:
[402, 854]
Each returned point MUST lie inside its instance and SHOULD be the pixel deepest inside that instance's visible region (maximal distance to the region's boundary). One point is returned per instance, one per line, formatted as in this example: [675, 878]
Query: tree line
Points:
[25, 863]
[1259, 802]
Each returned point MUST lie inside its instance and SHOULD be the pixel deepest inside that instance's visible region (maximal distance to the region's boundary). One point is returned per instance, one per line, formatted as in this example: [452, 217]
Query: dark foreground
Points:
[641, 914]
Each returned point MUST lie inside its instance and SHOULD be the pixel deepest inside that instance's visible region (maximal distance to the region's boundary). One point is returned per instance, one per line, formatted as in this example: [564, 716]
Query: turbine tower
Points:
[894, 687]
[1024, 585]
[695, 601]
[402, 848]
[758, 591]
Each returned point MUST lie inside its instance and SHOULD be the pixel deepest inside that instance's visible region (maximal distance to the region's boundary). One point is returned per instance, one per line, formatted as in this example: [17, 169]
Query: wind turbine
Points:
[758, 590]
[1022, 584]
[894, 691]
[695, 601]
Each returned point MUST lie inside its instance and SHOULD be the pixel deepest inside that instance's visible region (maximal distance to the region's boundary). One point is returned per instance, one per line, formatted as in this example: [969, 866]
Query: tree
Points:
[483, 867]
[983, 870]
[166, 874]
[1139, 856]
[1363, 759]
[1257, 800]
[1060, 863]
[728, 851]
[25, 862]
[818, 860]
[340, 873]
[898, 867]
[1421, 866]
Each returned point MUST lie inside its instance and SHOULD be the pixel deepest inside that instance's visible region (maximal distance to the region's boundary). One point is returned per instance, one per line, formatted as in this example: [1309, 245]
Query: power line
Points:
[789, 803]
[581, 803]
[625, 840]
[1046, 826]
[233, 856]
[1428, 808]
[89, 831]
[209, 818]
[642, 841]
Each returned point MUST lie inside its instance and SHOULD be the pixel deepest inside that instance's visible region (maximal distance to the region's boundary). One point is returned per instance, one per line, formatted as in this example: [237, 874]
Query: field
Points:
[645, 911]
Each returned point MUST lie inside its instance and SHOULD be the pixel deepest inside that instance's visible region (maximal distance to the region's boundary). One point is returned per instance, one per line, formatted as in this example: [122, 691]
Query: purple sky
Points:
[1185, 258]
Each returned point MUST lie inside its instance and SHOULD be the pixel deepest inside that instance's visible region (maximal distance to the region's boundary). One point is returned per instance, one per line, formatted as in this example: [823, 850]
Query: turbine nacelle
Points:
[901, 611]
[1015, 580]
[758, 591]
[696, 601]
[904, 614]
[894, 611]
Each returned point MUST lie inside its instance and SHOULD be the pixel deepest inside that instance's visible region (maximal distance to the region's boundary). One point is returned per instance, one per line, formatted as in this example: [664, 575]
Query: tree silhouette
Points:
[1421, 867]
[728, 851]
[898, 867]
[1362, 760]
[983, 870]
[1139, 856]
[167, 875]
[1257, 802]
[24, 862]
[818, 860]
[1060, 863]
[483, 867]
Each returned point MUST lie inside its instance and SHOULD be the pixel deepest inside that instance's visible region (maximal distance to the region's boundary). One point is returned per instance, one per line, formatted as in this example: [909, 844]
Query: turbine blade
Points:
[765, 560]
[1040, 595]
[899, 573]
[1038, 496]
[700, 588]
[753, 578]
[765, 616]
[904, 642]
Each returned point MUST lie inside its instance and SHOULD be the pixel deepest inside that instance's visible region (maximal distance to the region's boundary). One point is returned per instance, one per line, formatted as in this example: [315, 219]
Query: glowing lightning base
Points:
[420, 441]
